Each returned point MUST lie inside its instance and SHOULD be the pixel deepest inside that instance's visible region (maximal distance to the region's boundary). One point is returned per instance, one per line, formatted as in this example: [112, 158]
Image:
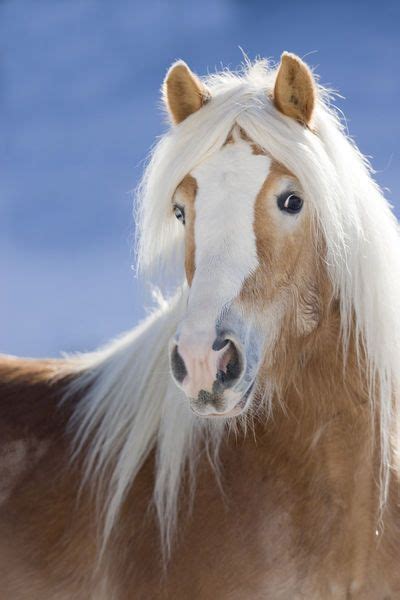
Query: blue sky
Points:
[79, 110]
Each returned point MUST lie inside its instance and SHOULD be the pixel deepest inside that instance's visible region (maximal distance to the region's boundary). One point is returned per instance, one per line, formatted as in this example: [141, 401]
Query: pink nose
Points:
[199, 370]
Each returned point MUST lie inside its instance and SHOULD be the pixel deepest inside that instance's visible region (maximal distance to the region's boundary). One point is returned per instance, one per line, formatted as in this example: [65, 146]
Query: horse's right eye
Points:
[179, 212]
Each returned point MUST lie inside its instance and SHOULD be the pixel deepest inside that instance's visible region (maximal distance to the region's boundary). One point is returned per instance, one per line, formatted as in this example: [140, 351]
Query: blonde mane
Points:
[132, 406]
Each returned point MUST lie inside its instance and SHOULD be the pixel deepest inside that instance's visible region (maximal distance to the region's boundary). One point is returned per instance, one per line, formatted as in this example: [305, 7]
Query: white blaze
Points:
[227, 187]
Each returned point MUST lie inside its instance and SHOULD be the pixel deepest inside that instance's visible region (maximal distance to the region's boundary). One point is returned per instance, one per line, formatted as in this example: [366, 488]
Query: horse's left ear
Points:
[183, 92]
[295, 91]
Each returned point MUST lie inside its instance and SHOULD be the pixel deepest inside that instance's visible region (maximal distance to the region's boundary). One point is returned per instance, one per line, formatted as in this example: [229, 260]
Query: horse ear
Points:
[295, 91]
[183, 92]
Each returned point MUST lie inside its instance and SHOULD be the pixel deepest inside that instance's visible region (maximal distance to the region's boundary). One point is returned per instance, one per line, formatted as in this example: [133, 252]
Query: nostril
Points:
[178, 367]
[230, 364]
[219, 343]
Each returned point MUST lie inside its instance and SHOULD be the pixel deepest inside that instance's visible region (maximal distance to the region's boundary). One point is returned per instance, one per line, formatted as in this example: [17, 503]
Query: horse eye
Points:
[290, 203]
[179, 212]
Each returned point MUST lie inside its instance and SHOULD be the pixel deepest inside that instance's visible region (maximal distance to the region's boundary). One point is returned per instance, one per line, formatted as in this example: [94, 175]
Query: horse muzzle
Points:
[216, 370]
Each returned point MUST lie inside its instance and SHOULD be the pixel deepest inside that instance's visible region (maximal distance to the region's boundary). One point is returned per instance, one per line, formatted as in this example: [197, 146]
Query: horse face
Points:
[248, 256]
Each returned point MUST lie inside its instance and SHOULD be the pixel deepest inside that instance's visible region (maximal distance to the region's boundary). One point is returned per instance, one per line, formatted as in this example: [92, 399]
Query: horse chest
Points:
[277, 531]
[259, 542]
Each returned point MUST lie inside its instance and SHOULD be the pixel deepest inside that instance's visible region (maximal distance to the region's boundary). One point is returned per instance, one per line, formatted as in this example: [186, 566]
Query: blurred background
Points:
[79, 110]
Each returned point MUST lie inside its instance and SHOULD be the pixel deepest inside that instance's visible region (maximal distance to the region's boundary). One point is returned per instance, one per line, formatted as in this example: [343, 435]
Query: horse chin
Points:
[238, 409]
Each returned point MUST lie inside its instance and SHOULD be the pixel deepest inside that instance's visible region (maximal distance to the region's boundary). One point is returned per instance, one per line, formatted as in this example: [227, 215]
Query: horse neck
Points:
[322, 411]
[317, 379]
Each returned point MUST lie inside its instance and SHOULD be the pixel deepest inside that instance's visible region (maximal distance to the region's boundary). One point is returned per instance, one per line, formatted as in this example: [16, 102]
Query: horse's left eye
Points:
[290, 203]
[179, 212]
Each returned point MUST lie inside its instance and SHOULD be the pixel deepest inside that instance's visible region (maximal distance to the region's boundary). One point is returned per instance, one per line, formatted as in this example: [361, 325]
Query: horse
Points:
[242, 441]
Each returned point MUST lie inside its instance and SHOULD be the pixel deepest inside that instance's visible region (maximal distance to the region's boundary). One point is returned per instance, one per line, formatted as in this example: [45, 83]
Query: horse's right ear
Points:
[183, 92]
